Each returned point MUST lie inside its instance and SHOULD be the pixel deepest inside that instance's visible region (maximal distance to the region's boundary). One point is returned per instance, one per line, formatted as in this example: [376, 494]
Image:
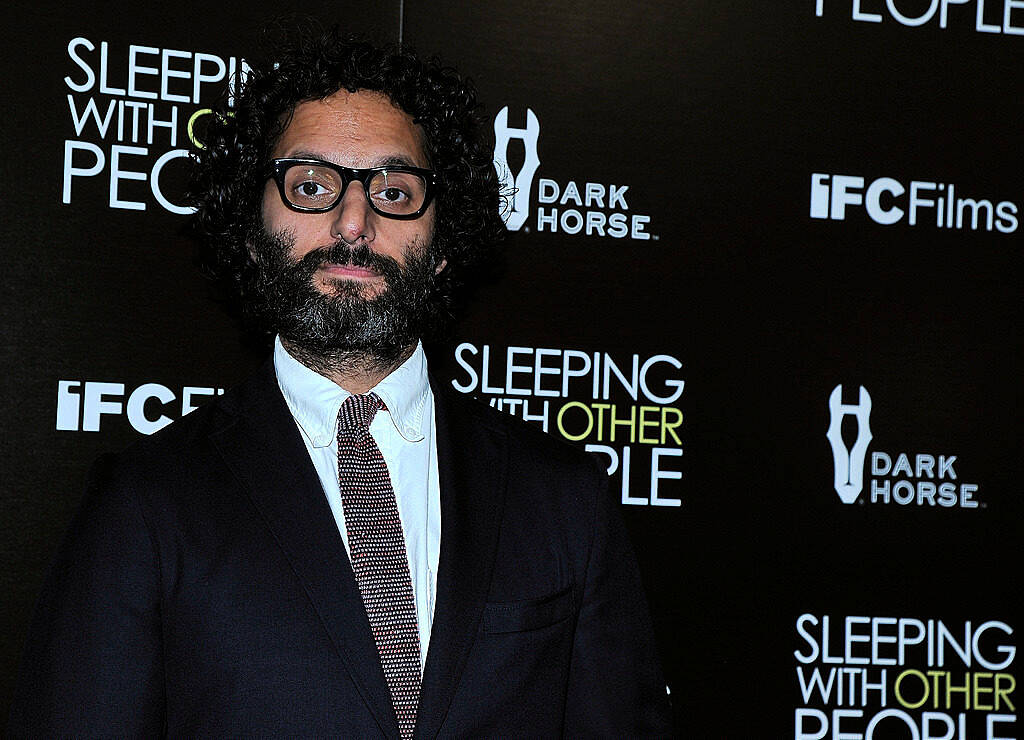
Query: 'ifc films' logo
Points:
[81, 405]
[887, 201]
[920, 479]
[596, 209]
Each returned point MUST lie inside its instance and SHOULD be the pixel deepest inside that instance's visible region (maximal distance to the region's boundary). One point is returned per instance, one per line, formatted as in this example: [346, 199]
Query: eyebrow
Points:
[394, 160]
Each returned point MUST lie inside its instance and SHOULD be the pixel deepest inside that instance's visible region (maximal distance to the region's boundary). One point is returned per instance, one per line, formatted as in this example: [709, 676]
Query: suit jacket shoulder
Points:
[528, 443]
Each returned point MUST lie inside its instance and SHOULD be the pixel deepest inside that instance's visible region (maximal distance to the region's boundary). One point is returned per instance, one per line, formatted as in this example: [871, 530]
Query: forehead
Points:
[360, 129]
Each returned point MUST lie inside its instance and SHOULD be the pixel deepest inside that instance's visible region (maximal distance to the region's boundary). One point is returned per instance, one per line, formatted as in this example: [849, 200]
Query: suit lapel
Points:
[472, 466]
[264, 449]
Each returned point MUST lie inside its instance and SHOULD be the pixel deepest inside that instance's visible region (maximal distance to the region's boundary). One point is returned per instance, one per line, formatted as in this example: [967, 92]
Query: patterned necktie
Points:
[377, 552]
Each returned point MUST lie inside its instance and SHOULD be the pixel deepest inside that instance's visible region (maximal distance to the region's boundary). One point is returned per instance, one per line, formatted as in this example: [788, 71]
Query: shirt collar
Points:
[315, 401]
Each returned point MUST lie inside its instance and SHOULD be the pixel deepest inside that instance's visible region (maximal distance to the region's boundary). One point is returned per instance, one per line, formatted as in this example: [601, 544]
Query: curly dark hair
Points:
[306, 62]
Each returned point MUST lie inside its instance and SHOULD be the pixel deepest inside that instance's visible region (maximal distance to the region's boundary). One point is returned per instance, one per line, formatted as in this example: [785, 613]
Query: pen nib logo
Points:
[849, 463]
[518, 208]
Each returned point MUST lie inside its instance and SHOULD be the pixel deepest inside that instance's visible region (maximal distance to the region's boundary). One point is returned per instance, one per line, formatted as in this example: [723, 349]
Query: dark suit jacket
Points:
[204, 590]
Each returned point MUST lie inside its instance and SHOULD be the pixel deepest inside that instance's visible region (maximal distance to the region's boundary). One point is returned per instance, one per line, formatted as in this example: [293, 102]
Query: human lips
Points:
[350, 271]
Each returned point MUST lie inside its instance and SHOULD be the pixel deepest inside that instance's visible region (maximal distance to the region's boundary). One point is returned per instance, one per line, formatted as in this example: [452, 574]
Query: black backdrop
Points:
[779, 236]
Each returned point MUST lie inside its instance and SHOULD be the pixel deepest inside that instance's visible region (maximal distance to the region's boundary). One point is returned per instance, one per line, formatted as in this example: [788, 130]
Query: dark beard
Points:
[342, 331]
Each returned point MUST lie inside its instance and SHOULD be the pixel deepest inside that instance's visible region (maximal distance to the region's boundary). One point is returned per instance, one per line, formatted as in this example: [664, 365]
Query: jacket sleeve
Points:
[616, 687]
[92, 664]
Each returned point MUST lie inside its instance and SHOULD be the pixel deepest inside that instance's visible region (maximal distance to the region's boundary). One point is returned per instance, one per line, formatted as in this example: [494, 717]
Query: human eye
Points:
[397, 192]
[390, 188]
[309, 189]
[311, 186]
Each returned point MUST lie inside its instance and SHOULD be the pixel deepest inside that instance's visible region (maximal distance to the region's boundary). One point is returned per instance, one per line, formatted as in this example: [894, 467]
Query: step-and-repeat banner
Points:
[764, 261]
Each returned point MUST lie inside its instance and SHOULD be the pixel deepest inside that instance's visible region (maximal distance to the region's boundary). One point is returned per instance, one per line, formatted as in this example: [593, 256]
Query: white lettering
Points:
[136, 408]
[873, 201]
[70, 171]
[842, 195]
[657, 474]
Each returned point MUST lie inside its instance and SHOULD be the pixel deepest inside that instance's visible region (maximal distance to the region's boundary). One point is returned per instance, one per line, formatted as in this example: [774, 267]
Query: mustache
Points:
[342, 253]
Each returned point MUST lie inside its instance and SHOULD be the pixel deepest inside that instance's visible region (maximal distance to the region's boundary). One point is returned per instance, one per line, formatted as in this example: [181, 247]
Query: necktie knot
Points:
[358, 411]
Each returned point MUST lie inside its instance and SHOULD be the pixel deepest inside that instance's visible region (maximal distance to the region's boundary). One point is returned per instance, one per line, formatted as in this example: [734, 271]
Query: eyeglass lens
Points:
[312, 186]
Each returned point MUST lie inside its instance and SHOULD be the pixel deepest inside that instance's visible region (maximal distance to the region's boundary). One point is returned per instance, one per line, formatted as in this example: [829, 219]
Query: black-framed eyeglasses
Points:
[315, 186]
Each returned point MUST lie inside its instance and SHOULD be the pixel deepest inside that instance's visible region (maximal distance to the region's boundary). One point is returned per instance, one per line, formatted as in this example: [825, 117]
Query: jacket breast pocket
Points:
[531, 614]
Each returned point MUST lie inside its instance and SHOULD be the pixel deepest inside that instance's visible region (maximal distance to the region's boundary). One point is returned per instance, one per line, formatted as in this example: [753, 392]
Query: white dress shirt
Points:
[405, 432]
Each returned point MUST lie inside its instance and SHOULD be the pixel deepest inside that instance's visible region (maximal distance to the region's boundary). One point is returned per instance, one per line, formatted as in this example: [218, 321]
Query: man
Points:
[340, 547]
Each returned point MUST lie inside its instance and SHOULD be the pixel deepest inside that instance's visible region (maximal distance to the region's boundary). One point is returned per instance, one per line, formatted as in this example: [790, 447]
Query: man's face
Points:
[358, 130]
[349, 279]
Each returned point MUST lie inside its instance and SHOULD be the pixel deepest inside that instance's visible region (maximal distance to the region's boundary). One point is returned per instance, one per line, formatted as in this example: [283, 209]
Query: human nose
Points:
[353, 219]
